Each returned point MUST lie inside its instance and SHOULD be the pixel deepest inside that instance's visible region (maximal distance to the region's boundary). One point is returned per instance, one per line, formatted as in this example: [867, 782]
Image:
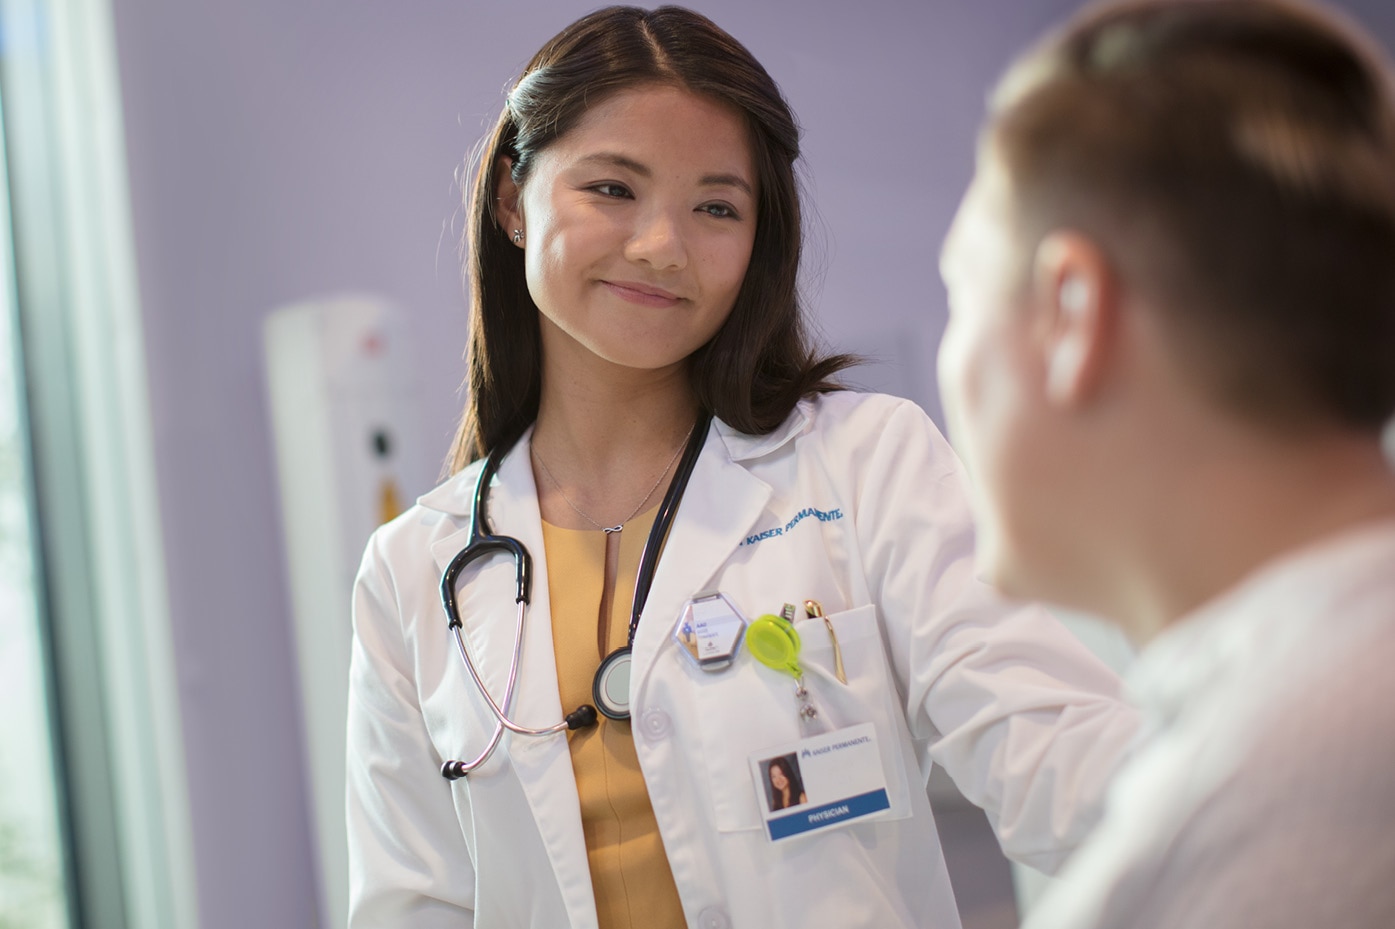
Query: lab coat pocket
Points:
[752, 708]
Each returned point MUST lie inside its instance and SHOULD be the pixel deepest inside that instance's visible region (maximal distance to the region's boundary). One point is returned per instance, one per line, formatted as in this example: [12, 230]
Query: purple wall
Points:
[282, 149]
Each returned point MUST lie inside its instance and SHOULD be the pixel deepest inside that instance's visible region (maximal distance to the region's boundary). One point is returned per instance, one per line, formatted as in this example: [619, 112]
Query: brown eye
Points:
[612, 190]
[719, 210]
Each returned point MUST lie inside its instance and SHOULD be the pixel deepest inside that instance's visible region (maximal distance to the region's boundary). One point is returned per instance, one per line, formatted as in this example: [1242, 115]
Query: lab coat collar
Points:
[743, 447]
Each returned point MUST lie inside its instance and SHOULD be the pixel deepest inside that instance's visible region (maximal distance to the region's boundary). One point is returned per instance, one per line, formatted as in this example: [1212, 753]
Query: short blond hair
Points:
[1236, 160]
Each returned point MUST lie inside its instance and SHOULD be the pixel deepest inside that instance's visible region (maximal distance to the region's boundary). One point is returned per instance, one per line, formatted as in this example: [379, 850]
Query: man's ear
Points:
[508, 203]
[1076, 301]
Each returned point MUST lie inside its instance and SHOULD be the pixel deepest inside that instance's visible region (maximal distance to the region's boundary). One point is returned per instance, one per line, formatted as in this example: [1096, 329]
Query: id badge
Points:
[820, 783]
[709, 631]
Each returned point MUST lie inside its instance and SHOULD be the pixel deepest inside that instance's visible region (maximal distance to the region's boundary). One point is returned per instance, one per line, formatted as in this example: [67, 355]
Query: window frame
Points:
[103, 593]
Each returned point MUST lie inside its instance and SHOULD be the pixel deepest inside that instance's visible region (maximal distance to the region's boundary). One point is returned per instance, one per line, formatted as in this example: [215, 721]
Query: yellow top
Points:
[629, 870]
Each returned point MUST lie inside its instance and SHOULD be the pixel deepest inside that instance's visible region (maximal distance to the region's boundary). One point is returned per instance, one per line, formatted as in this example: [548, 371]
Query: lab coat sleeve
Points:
[1022, 716]
[408, 864]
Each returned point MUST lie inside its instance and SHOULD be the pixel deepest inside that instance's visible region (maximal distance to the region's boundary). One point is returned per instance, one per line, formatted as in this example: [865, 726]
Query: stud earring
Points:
[518, 237]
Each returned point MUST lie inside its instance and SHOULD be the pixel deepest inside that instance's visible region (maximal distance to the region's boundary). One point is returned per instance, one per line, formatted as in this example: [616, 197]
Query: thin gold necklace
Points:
[647, 494]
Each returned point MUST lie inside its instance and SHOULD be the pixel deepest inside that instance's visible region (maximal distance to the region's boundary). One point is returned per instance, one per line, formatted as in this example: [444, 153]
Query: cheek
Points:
[557, 240]
[738, 260]
[723, 268]
[558, 266]
[536, 267]
[991, 418]
[724, 247]
[959, 369]
[981, 374]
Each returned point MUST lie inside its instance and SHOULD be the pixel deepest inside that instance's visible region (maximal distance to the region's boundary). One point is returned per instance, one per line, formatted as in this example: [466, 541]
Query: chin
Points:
[643, 353]
[998, 566]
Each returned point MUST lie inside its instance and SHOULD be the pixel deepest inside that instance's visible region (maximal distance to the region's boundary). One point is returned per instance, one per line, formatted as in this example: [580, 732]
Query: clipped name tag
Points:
[821, 782]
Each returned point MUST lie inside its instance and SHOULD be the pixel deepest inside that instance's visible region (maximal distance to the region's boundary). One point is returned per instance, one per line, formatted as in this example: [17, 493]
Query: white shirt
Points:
[855, 501]
[1264, 795]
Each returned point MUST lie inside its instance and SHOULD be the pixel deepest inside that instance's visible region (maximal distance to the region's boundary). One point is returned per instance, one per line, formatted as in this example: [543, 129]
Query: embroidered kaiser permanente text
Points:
[823, 516]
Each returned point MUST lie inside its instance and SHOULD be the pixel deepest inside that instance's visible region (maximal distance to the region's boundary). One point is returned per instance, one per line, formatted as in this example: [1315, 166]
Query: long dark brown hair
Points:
[761, 362]
[795, 784]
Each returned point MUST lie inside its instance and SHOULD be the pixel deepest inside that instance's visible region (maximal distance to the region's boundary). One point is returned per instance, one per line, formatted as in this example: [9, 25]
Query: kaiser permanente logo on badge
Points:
[821, 782]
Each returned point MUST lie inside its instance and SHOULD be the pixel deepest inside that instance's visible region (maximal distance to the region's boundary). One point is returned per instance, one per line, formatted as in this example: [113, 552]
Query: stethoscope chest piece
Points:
[611, 686]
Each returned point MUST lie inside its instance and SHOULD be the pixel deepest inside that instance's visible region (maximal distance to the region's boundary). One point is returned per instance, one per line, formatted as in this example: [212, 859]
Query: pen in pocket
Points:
[812, 609]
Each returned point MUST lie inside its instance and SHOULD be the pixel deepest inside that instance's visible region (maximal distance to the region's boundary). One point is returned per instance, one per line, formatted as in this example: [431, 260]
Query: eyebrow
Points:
[708, 180]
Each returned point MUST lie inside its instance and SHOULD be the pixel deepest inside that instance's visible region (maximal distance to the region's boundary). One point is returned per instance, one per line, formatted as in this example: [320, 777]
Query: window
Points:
[93, 577]
[33, 892]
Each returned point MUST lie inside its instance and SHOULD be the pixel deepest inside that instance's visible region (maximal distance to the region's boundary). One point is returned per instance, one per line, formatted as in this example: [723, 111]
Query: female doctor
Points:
[652, 425]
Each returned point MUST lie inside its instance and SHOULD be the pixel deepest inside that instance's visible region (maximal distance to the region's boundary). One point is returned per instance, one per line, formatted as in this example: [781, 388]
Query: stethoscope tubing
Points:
[663, 521]
[453, 770]
[500, 714]
[483, 542]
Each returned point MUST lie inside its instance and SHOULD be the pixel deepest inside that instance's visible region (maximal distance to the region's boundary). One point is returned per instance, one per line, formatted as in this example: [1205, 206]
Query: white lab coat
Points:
[1021, 716]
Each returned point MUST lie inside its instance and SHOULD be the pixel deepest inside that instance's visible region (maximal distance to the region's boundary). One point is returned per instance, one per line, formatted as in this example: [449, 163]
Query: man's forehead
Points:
[982, 221]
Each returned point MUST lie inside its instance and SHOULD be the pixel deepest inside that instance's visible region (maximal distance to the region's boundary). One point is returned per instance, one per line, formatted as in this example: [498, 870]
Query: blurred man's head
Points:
[1195, 198]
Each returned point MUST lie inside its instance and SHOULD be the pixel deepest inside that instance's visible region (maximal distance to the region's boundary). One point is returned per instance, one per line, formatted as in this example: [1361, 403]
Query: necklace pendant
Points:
[611, 529]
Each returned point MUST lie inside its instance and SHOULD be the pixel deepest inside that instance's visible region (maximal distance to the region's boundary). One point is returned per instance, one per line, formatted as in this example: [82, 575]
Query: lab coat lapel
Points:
[719, 508]
[514, 511]
[485, 598]
[542, 764]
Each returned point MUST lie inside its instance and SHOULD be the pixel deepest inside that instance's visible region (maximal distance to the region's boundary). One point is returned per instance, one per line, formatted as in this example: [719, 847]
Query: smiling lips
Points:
[643, 294]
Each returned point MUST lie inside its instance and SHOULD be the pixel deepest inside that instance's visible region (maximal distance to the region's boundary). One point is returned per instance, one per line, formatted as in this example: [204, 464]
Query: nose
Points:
[658, 241]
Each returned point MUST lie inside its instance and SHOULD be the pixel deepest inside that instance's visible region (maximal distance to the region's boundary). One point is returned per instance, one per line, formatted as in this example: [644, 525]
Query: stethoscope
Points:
[610, 688]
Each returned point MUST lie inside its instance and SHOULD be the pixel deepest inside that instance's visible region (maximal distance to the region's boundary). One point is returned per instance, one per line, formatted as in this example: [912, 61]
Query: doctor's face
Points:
[986, 374]
[639, 226]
